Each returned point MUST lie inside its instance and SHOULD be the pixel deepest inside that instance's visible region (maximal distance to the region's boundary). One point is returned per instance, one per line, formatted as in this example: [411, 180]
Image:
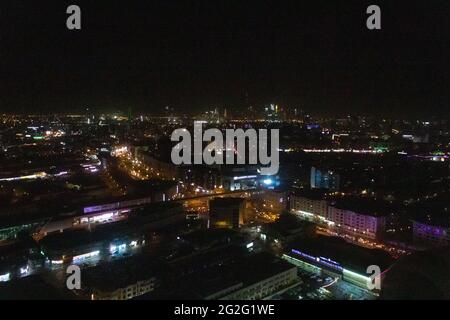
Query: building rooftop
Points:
[31, 288]
[259, 266]
[288, 224]
[76, 238]
[350, 256]
[106, 232]
[211, 237]
[243, 272]
[119, 274]
[313, 194]
[363, 206]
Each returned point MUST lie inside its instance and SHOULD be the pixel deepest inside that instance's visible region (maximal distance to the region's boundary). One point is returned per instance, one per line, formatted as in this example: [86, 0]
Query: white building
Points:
[308, 206]
[351, 222]
[357, 224]
[265, 287]
[129, 292]
[314, 208]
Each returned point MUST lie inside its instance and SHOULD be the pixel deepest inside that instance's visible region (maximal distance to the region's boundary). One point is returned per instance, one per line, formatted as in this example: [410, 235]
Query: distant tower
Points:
[225, 114]
[129, 114]
[128, 122]
[246, 100]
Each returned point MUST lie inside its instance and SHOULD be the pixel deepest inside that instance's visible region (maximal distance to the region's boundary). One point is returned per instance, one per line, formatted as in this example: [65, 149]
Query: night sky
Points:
[191, 55]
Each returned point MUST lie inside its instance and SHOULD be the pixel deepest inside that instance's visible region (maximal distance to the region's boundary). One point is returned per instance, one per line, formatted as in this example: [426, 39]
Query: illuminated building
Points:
[309, 203]
[79, 244]
[115, 209]
[324, 179]
[118, 204]
[89, 220]
[12, 230]
[18, 259]
[254, 277]
[80, 247]
[337, 258]
[265, 286]
[167, 170]
[125, 293]
[247, 177]
[355, 221]
[240, 182]
[357, 224]
[120, 280]
[275, 200]
[436, 235]
[5, 277]
[239, 177]
[272, 112]
[269, 182]
[286, 229]
[203, 176]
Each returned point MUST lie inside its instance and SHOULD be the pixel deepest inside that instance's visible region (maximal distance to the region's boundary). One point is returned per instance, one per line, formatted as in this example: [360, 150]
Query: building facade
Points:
[431, 234]
[308, 207]
[324, 179]
[357, 224]
[265, 287]
[350, 222]
[126, 293]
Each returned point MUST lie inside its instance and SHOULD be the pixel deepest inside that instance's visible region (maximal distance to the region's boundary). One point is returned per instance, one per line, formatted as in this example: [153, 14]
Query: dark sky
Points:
[191, 55]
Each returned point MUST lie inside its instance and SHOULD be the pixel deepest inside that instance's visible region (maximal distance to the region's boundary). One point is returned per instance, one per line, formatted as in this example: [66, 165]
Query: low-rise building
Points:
[120, 280]
[357, 224]
[308, 204]
[254, 277]
[432, 234]
[338, 258]
[356, 218]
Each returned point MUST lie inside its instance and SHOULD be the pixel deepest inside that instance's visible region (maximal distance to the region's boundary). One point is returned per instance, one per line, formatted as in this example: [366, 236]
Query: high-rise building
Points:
[324, 179]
